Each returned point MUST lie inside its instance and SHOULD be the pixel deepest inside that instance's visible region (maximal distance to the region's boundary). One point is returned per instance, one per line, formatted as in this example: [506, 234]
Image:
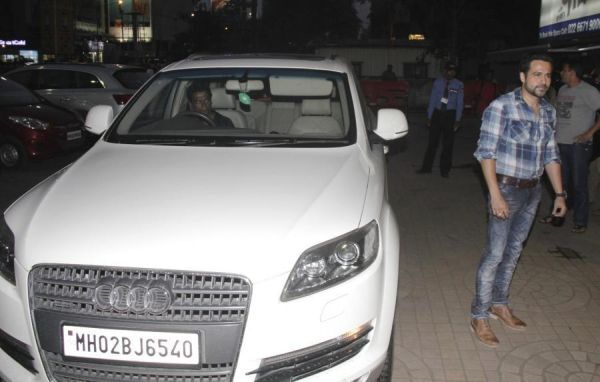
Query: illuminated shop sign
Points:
[416, 37]
[5, 43]
[561, 19]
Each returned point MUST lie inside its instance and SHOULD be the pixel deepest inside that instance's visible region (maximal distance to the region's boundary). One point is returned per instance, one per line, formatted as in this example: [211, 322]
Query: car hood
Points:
[43, 112]
[248, 210]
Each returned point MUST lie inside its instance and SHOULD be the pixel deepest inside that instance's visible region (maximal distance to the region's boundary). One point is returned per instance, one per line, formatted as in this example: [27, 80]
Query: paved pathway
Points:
[556, 288]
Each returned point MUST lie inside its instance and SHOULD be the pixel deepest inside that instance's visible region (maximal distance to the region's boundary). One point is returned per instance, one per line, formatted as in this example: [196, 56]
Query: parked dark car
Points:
[32, 127]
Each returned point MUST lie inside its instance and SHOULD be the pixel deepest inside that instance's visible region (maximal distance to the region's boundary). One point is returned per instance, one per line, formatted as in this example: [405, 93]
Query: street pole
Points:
[120, 4]
[55, 34]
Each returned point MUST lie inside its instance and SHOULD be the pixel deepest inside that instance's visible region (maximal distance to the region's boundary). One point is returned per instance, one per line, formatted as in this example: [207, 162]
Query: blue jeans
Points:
[575, 160]
[505, 240]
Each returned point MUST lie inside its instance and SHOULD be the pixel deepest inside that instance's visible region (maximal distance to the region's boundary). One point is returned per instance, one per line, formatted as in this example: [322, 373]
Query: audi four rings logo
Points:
[143, 296]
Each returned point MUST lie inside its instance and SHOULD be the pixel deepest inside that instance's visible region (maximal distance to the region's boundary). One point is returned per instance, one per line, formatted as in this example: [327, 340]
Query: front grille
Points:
[215, 305]
[82, 372]
[197, 297]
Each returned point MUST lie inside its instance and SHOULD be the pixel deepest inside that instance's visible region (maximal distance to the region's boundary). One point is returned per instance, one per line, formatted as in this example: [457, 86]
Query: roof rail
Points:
[274, 56]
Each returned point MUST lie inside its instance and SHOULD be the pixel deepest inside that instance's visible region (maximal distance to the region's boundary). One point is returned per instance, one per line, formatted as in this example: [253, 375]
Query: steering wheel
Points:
[205, 118]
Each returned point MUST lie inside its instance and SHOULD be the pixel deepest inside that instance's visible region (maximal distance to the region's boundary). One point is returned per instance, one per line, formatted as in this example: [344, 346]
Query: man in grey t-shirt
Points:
[576, 106]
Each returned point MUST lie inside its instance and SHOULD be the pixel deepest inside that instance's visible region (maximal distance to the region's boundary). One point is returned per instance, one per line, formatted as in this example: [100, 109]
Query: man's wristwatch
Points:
[561, 194]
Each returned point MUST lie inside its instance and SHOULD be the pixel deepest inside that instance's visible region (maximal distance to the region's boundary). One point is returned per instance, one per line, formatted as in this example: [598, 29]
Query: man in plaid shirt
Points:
[516, 144]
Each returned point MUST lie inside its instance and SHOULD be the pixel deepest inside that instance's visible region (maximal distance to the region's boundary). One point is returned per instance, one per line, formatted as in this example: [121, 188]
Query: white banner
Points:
[567, 18]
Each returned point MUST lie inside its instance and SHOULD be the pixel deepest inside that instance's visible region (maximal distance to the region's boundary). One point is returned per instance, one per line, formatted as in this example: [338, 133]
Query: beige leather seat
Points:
[224, 104]
[316, 120]
[281, 115]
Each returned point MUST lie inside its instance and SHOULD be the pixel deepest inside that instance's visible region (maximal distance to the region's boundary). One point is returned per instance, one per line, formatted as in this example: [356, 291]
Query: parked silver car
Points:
[81, 86]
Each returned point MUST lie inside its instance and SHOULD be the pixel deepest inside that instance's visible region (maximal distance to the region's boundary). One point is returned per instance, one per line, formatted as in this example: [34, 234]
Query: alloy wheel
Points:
[9, 155]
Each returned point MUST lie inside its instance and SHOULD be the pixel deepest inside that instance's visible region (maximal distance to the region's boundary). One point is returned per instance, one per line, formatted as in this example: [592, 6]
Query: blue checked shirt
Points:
[520, 142]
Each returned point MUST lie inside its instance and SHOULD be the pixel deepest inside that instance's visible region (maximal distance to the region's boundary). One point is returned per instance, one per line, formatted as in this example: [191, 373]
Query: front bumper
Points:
[301, 329]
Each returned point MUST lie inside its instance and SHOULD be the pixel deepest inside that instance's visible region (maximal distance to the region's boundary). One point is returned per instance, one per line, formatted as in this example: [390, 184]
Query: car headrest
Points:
[300, 86]
[222, 100]
[316, 107]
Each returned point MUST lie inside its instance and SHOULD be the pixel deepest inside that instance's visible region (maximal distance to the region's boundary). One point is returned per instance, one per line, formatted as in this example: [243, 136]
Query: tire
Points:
[388, 365]
[12, 153]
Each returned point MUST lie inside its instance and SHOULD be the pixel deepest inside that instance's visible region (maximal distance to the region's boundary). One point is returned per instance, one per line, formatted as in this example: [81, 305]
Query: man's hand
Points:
[499, 207]
[456, 125]
[428, 122]
[585, 137]
[560, 207]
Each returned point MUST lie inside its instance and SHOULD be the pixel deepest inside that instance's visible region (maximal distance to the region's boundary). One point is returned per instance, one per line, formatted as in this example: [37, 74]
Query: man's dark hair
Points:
[576, 66]
[525, 63]
[196, 87]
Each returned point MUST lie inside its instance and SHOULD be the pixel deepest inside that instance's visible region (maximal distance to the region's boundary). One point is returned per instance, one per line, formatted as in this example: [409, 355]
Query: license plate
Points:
[131, 345]
[72, 135]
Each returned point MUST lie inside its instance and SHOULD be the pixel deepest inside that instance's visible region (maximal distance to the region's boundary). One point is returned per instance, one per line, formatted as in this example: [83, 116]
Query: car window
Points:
[85, 80]
[261, 106]
[56, 79]
[132, 78]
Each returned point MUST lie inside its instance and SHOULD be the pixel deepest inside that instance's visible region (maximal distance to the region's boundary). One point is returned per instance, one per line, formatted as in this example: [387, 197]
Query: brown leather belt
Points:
[516, 182]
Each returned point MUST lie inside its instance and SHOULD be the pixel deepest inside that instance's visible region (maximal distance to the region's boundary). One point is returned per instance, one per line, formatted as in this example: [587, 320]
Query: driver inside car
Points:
[200, 101]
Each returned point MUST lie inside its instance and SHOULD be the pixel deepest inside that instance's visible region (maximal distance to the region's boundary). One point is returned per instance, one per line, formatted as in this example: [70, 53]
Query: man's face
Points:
[450, 73]
[538, 79]
[566, 73]
[200, 102]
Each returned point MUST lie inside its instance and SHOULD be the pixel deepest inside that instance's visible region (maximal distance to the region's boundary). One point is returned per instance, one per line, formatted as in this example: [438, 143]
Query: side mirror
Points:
[391, 124]
[98, 119]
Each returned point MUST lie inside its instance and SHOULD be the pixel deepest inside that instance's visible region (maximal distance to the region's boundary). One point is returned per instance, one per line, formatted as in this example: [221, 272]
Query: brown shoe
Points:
[481, 328]
[504, 314]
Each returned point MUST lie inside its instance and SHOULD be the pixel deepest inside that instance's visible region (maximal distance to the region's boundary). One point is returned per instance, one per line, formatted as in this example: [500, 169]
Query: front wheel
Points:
[12, 153]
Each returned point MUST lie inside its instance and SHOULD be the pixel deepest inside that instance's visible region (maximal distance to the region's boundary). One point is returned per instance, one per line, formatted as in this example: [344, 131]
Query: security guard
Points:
[444, 114]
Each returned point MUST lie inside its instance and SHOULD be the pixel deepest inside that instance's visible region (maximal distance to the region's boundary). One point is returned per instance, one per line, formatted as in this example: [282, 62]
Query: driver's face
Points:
[200, 102]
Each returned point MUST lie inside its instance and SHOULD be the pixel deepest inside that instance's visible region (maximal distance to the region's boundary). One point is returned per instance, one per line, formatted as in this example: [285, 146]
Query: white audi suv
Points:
[248, 241]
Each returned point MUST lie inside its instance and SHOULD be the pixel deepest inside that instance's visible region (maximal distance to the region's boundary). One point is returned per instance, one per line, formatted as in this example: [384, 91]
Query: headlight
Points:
[7, 251]
[31, 123]
[332, 262]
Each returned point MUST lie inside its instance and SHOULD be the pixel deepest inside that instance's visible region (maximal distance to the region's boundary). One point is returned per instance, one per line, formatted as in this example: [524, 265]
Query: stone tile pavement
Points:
[556, 288]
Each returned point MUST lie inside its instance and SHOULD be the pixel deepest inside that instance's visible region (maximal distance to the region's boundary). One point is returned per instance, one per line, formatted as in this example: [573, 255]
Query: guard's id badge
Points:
[444, 100]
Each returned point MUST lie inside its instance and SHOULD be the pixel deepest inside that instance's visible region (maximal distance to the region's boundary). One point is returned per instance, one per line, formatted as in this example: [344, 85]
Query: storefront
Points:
[17, 51]
[566, 29]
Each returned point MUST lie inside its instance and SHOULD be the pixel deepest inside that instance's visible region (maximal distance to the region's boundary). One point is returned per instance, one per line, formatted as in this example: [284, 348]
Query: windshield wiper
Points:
[290, 142]
[237, 141]
[176, 141]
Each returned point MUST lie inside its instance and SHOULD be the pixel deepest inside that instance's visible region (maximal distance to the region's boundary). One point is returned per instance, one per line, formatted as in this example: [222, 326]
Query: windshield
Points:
[14, 94]
[240, 106]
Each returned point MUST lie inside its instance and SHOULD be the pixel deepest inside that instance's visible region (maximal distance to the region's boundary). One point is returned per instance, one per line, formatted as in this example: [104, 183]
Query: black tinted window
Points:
[87, 81]
[132, 78]
[56, 79]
